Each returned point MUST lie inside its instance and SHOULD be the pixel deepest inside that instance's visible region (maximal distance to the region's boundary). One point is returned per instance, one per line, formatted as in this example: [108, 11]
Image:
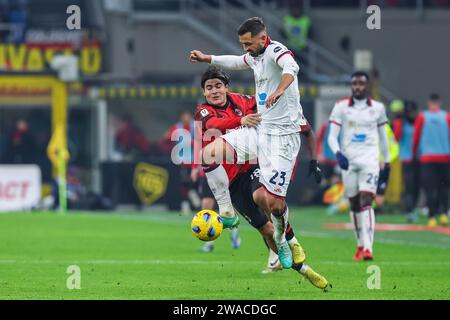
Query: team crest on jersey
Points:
[261, 82]
[204, 112]
[238, 112]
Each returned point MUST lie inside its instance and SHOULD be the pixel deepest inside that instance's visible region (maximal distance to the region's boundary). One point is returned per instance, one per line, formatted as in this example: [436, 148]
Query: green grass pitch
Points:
[155, 256]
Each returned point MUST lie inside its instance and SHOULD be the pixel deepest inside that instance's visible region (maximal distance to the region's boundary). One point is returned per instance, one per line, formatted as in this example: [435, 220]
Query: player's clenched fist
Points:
[198, 56]
[251, 120]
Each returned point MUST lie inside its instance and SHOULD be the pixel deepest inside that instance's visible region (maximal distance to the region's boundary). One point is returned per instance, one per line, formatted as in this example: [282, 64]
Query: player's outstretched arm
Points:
[230, 62]
[198, 56]
[227, 61]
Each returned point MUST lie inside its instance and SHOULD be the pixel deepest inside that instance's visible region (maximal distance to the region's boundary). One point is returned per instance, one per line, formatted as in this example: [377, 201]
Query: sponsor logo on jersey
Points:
[204, 112]
[262, 98]
[359, 137]
[276, 49]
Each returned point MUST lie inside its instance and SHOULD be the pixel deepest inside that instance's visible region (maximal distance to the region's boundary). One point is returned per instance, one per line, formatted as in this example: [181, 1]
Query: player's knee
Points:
[260, 199]
[277, 206]
[207, 155]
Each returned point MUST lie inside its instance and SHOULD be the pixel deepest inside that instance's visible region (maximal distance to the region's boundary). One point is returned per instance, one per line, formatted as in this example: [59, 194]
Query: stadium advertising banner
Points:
[40, 46]
[20, 187]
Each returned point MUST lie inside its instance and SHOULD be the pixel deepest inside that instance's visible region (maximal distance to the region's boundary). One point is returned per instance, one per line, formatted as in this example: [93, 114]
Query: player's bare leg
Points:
[279, 215]
[213, 155]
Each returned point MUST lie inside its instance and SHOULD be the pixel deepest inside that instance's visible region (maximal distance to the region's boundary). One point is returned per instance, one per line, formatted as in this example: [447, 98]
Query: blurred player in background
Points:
[325, 155]
[403, 130]
[431, 145]
[184, 132]
[361, 122]
[382, 185]
[275, 141]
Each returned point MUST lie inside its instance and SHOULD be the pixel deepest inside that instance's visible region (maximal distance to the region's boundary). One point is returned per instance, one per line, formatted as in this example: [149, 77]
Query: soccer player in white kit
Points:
[361, 121]
[275, 142]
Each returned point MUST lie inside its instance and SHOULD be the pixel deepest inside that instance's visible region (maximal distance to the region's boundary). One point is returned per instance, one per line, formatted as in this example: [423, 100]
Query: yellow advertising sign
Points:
[25, 57]
[150, 182]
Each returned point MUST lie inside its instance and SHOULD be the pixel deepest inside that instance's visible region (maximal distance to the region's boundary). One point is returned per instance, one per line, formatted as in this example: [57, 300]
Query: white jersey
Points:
[359, 121]
[284, 116]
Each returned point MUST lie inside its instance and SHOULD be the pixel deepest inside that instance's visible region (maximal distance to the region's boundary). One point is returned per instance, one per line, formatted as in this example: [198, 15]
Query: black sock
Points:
[289, 232]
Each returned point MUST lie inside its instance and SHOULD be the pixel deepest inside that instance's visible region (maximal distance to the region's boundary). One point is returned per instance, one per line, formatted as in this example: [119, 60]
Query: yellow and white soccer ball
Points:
[207, 225]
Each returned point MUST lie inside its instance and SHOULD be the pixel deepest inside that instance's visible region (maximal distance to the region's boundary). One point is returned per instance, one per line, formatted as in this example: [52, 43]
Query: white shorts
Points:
[360, 178]
[276, 155]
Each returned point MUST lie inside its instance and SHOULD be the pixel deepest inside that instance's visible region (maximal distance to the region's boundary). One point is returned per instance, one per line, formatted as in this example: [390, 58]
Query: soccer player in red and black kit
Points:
[226, 111]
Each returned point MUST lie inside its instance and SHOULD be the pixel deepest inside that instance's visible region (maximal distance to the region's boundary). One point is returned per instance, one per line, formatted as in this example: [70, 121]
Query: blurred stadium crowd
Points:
[131, 137]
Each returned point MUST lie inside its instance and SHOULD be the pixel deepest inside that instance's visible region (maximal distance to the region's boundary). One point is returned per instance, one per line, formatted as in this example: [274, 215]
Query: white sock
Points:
[273, 258]
[280, 224]
[365, 215]
[218, 183]
[304, 268]
[357, 223]
[293, 240]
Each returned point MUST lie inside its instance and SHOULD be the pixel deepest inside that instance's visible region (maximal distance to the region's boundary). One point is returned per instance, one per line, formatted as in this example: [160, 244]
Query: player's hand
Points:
[194, 173]
[198, 56]
[314, 169]
[251, 120]
[342, 160]
[273, 98]
[384, 174]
